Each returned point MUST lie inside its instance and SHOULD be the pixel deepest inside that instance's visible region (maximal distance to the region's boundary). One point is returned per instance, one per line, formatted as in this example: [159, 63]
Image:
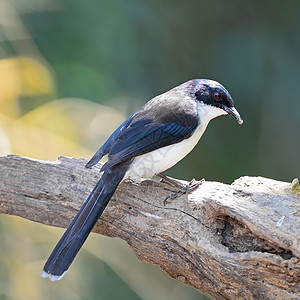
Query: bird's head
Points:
[214, 98]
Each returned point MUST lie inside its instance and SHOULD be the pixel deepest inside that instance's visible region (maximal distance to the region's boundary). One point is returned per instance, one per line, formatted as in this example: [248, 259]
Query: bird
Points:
[162, 132]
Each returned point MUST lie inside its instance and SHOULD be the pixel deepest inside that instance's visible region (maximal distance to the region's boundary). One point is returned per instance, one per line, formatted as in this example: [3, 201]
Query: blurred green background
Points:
[71, 71]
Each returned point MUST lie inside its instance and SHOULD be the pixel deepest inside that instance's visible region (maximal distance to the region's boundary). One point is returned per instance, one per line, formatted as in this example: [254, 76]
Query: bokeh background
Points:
[71, 71]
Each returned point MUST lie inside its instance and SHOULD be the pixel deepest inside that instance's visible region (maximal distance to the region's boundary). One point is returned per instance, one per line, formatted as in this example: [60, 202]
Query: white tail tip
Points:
[44, 274]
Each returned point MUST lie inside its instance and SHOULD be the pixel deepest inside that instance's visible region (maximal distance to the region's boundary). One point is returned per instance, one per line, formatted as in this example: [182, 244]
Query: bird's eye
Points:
[217, 96]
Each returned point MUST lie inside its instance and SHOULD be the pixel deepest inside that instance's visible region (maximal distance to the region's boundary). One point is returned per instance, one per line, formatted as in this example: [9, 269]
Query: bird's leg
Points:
[182, 188]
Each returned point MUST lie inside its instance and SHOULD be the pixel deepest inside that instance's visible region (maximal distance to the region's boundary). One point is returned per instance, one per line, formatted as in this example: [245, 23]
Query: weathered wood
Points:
[238, 241]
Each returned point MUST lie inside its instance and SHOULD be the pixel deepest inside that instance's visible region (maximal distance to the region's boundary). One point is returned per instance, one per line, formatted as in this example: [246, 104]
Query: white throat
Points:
[208, 112]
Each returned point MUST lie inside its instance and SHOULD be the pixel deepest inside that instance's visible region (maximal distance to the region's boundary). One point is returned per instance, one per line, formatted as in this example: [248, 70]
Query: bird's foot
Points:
[182, 188]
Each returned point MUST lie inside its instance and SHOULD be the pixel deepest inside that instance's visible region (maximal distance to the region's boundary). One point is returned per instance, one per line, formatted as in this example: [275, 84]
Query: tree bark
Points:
[238, 241]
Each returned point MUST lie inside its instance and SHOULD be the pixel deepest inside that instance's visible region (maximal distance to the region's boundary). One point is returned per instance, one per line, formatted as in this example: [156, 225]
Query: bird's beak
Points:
[233, 112]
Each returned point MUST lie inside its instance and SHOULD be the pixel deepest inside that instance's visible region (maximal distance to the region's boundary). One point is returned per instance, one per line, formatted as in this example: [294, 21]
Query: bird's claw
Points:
[184, 189]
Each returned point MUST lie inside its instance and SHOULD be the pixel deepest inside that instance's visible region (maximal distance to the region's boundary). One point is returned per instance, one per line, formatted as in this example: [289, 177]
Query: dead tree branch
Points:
[238, 241]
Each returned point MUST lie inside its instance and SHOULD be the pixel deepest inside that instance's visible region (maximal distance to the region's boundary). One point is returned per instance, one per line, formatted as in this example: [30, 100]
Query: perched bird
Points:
[150, 141]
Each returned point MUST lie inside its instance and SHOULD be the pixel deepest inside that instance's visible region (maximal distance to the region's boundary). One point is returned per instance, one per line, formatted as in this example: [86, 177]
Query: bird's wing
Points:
[105, 148]
[143, 134]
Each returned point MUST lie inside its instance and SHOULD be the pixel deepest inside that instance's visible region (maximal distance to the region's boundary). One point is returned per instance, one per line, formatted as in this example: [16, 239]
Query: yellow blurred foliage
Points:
[58, 127]
[22, 76]
[52, 129]
[4, 140]
[33, 141]
[76, 119]
[53, 117]
[36, 142]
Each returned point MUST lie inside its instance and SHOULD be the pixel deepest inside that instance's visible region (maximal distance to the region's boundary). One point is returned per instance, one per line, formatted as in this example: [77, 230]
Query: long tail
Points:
[70, 243]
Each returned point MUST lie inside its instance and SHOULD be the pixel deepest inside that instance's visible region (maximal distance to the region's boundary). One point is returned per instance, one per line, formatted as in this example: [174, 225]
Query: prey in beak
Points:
[233, 112]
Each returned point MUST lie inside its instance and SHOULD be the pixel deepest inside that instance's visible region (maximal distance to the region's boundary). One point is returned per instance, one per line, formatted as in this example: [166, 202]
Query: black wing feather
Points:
[145, 139]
